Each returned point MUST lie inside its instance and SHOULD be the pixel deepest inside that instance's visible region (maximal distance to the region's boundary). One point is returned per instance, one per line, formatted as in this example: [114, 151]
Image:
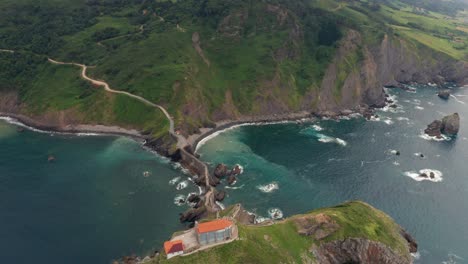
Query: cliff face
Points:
[357, 250]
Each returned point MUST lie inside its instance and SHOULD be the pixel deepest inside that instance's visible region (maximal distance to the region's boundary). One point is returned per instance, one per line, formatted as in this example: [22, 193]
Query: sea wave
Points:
[235, 187]
[174, 180]
[182, 185]
[180, 200]
[419, 107]
[268, 188]
[427, 137]
[317, 127]
[326, 139]
[437, 175]
[275, 213]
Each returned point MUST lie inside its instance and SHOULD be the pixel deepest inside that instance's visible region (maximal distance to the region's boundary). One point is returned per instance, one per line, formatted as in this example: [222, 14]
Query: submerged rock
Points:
[434, 129]
[51, 158]
[444, 94]
[236, 171]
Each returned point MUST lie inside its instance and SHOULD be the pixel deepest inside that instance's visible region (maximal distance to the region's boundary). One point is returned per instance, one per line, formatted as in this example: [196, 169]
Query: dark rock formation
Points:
[451, 124]
[434, 129]
[231, 179]
[357, 250]
[423, 175]
[444, 94]
[432, 175]
[413, 246]
[221, 170]
[193, 215]
[236, 170]
[193, 198]
[220, 195]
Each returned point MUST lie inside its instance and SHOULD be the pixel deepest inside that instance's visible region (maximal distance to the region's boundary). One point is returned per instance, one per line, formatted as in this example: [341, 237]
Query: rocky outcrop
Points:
[357, 250]
[412, 245]
[220, 195]
[221, 171]
[444, 94]
[449, 125]
[193, 215]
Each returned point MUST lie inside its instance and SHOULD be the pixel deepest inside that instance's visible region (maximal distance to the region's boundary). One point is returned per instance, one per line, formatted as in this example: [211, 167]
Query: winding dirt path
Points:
[181, 141]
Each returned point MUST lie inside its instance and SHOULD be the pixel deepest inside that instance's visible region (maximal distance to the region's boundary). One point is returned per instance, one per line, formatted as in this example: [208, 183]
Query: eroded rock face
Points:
[357, 250]
[193, 215]
[319, 226]
[451, 124]
[220, 195]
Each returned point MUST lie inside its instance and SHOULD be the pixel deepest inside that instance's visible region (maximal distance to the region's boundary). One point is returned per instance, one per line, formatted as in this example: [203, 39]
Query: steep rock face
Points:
[357, 250]
[451, 124]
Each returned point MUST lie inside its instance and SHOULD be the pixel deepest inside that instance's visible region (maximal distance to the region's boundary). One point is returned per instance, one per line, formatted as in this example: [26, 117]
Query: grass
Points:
[281, 243]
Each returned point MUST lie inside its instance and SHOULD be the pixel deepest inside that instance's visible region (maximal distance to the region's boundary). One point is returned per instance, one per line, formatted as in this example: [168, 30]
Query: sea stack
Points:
[449, 125]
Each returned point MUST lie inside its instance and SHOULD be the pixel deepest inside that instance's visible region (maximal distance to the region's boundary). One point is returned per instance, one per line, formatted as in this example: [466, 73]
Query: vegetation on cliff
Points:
[289, 241]
[210, 60]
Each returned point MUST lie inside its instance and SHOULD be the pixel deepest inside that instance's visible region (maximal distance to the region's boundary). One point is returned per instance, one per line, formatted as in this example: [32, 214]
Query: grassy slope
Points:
[280, 243]
[56, 87]
[161, 65]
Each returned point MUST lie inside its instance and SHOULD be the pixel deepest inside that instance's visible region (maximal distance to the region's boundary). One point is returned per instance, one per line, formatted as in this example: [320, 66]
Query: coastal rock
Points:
[423, 175]
[220, 195]
[444, 94]
[193, 198]
[412, 245]
[236, 170]
[231, 179]
[221, 170]
[432, 175]
[434, 129]
[193, 215]
[451, 124]
[357, 250]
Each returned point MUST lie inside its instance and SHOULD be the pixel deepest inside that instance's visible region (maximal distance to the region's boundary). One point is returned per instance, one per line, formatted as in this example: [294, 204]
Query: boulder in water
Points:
[444, 94]
[220, 195]
[193, 215]
[434, 129]
[423, 175]
[51, 158]
[451, 124]
[231, 179]
[236, 171]
[432, 175]
[221, 170]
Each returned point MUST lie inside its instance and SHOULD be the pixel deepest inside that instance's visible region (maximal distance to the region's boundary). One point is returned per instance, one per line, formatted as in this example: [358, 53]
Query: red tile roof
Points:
[214, 226]
[173, 246]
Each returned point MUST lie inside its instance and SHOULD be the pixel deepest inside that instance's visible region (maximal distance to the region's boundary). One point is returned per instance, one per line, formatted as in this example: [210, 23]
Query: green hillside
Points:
[282, 243]
[203, 60]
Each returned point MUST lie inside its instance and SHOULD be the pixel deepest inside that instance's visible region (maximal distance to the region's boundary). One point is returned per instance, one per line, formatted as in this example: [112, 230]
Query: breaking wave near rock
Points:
[425, 175]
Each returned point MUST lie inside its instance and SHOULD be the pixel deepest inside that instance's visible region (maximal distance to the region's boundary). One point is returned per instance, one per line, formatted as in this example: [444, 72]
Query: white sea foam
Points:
[393, 151]
[417, 176]
[217, 133]
[235, 187]
[326, 139]
[275, 213]
[260, 219]
[221, 205]
[180, 200]
[317, 127]
[268, 188]
[401, 118]
[429, 138]
[388, 121]
[174, 181]
[456, 99]
[396, 163]
[416, 256]
[182, 185]
[419, 107]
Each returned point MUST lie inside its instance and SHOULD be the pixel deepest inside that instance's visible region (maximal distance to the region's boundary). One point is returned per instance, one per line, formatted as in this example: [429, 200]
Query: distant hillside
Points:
[212, 60]
[350, 233]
